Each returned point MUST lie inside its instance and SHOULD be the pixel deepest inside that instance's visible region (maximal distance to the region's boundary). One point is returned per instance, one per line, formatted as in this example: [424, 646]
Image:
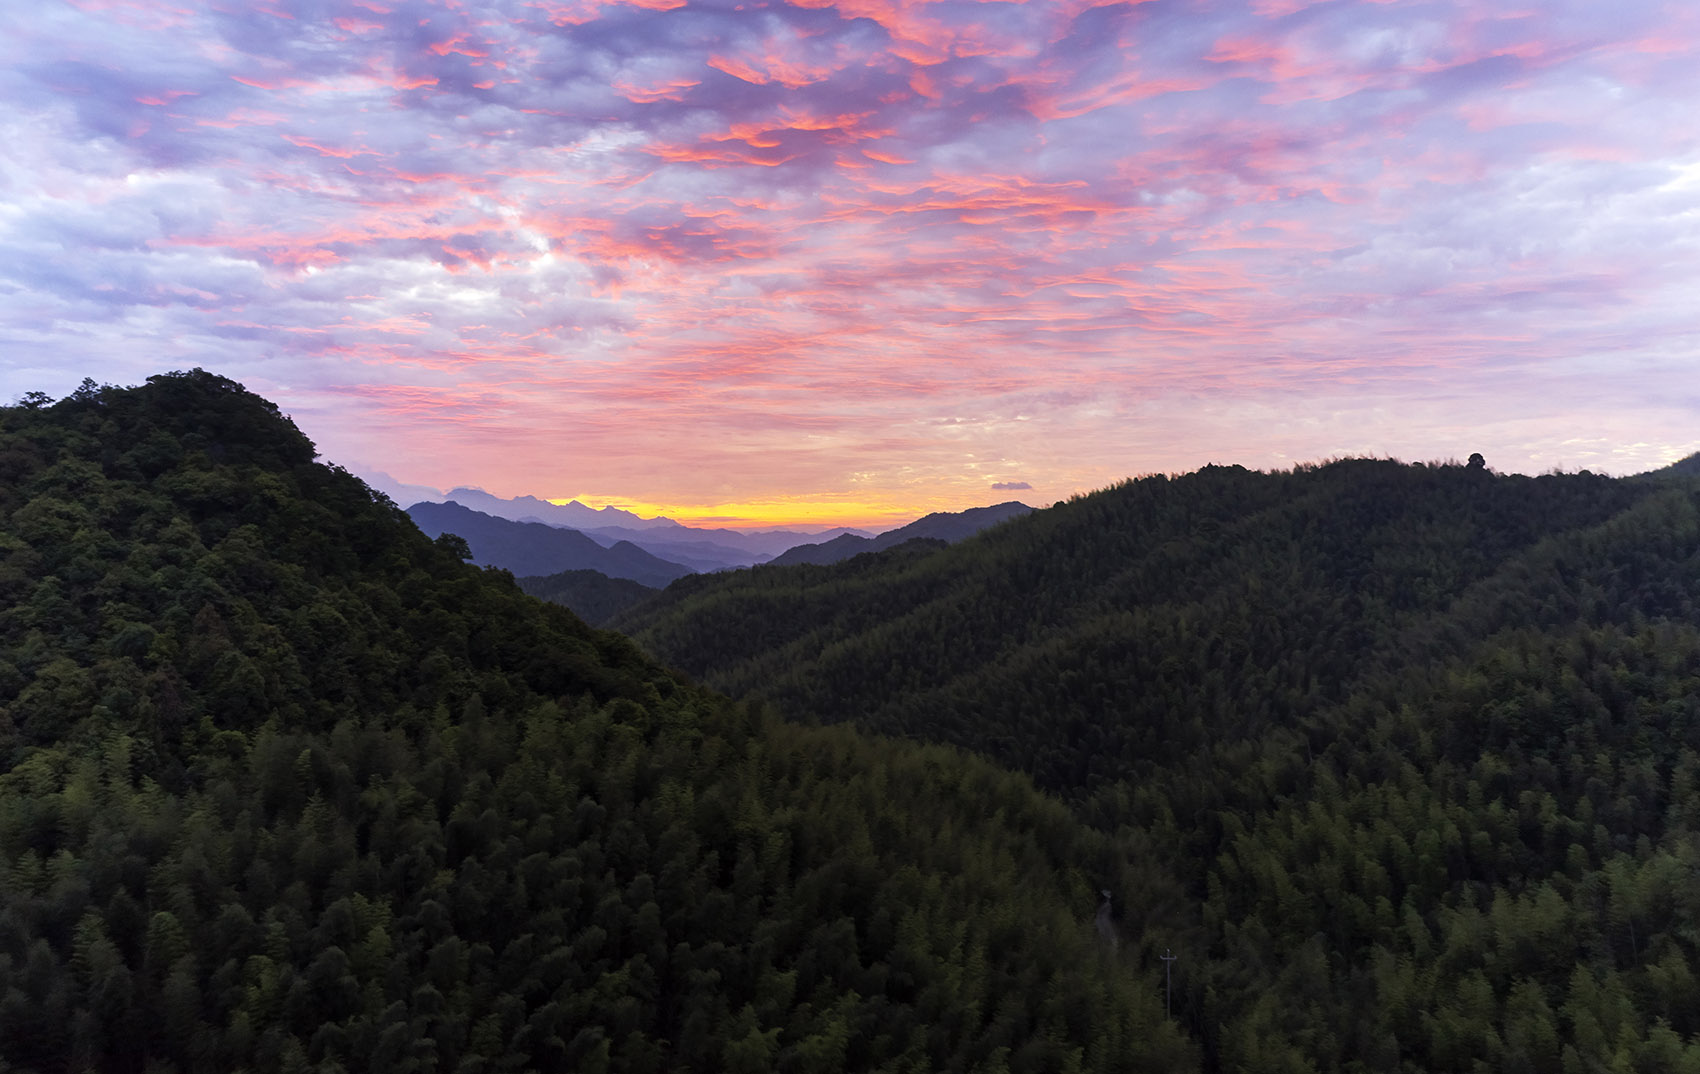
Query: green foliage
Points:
[284, 785]
[455, 545]
[1410, 752]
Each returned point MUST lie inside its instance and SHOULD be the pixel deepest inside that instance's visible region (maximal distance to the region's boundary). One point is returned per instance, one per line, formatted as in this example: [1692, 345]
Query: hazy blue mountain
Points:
[573, 515]
[397, 490]
[697, 555]
[532, 548]
[941, 525]
[734, 548]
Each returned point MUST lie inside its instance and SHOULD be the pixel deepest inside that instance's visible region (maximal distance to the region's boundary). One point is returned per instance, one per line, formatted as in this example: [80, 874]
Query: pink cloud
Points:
[882, 241]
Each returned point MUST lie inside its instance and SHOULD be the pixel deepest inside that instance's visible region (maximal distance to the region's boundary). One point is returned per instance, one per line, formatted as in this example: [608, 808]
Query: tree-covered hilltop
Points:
[1419, 745]
[286, 786]
[592, 595]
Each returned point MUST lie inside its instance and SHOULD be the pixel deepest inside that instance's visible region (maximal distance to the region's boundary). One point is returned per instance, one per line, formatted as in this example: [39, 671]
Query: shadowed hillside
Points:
[1421, 743]
[592, 595]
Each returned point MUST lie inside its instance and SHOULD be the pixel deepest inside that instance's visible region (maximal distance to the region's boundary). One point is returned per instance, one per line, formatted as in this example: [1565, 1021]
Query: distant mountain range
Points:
[573, 515]
[531, 537]
[533, 548]
[943, 526]
[717, 549]
[700, 549]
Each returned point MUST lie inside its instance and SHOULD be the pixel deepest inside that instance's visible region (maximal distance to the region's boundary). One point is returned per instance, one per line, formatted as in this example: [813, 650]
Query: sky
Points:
[853, 261]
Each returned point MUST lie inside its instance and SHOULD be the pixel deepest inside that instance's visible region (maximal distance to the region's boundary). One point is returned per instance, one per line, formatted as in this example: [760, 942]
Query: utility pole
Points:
[1168, 982]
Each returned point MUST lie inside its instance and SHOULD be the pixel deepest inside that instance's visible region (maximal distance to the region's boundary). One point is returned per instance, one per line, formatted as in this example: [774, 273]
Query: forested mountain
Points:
[938, 526]
[592, 595]
[1418, 746]
[532, 548]
[286, 786]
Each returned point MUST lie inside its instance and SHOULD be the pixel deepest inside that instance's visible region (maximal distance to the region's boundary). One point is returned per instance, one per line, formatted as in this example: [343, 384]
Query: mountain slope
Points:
[532, 548]
[1419, 742]
[1305, 572]
[286, 786]
[941, 526]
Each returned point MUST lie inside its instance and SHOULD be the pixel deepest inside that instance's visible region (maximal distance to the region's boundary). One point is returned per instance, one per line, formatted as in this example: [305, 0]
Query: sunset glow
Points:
[802, 512]
[851, 261]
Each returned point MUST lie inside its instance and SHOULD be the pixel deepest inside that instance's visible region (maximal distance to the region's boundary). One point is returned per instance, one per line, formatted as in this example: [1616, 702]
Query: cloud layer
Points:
[872, 253]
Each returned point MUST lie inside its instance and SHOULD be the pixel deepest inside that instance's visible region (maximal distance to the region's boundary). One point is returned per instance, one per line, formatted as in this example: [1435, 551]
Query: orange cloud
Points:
[457, 45]
[671, 90]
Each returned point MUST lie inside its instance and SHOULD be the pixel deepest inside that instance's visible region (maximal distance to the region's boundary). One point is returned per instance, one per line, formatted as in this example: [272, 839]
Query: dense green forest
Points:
[287, 786]
[1411, 753]
[592, 595]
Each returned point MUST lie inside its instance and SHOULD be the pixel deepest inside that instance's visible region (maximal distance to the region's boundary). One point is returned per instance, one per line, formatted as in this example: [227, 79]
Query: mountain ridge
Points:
[671, 540]
[572, 514]
[946, 526]
[535, 548]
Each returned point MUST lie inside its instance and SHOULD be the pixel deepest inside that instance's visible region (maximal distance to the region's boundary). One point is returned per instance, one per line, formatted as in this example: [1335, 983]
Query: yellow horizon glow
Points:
[769, 514]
